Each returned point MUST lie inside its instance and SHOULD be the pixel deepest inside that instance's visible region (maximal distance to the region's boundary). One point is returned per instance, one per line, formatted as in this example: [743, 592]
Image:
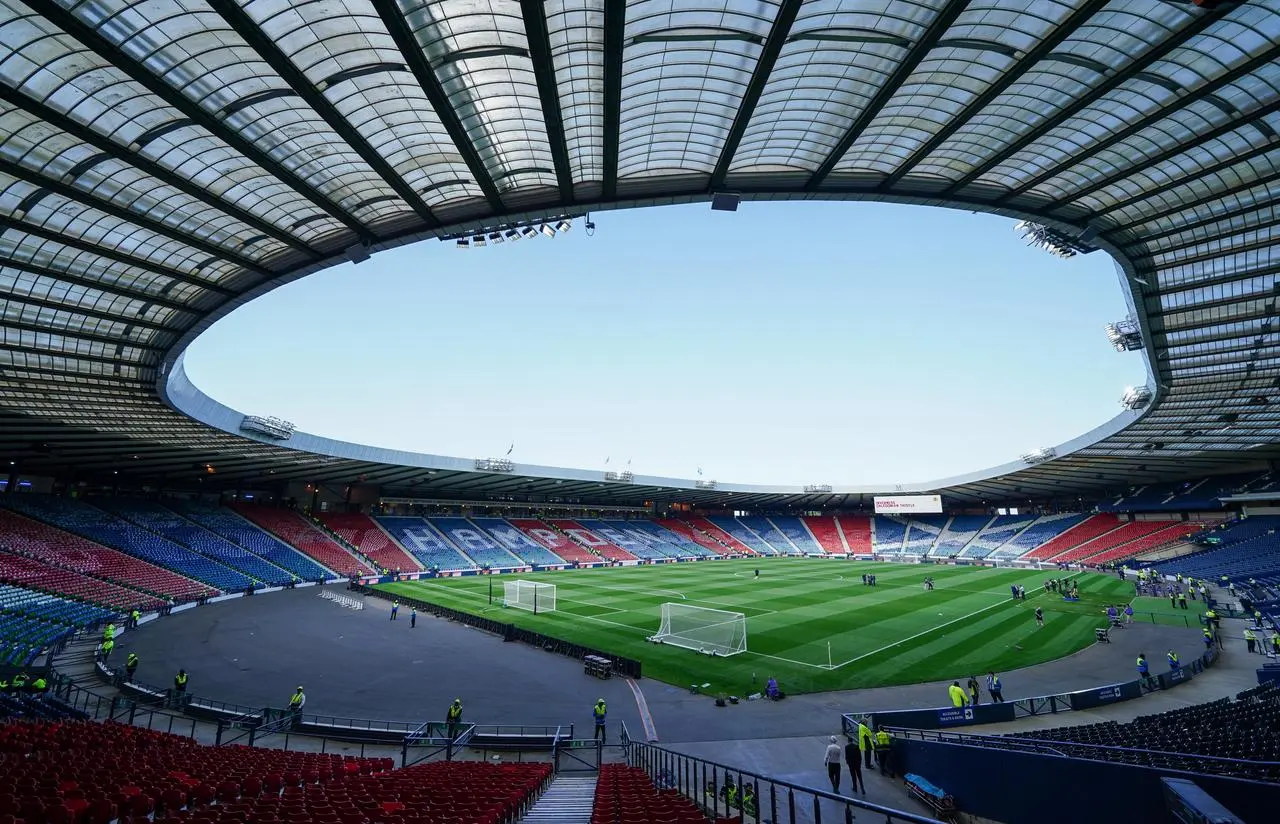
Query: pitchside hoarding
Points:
[910, 504]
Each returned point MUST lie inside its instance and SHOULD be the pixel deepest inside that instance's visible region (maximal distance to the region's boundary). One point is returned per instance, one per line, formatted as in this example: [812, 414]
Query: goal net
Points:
[529, 595]
[713, 631]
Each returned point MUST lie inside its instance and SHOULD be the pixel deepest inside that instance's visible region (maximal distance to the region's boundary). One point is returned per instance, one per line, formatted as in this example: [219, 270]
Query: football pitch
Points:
[811, 623]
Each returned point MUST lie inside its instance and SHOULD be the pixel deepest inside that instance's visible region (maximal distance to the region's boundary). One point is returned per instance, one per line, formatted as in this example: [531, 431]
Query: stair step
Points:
[568, 800]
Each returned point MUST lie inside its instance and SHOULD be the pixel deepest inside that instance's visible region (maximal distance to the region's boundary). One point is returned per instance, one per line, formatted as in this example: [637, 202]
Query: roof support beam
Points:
[271, 53]
[139, 161]
[110, 254]
[82, 311]
[1168, 154]
[138, 72]
[76, 334]
[188, 239]
[97, 286]
[417, 62]
[1200, 201]
[778, 34]
[1157, 53]
[615, 23]
[1139, 242]
[55, 353]
[1027, 63]
[1261, 314]
[1270, 224]
[544, 71]
[885, 93]
[30, 374]
[1148, 121]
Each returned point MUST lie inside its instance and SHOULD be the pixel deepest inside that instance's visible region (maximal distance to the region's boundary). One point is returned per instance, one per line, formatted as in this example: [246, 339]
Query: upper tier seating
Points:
[22, 638]
[890, 533]
[428, 546]
[108, 530]
[1001, 529]
[797, 533]
[1187, 496]
[769, 534]
[73, 552]
[696, 536]
[857, 532]
[627, 795]
[924, 532]
[1247, 730]
[45, 607]
[480, 547]
[592, 542]
[1046, 528]
[825, 531]
[1123, 535]
[33, 573]
[709, 529]
[301, 534]
[743, 535]
[958, 533]
[363, 533]
[517, 543]
[1174, 532]
[639, 546]
[1248, 548]
[1087, 530]
[172, 526]
[237, 530]
[675, 543]
[554, 540]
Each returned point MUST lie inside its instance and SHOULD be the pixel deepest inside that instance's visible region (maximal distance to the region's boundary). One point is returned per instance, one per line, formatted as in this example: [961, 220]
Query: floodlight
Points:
[357, 253]
[464, 243]
[528, 232]
[1040, 455]
[477, 240]
[511, 234]
[813, 488]
[495, 237]
[563, 226]
[548, 230]
[1136, 397]
[1124, 335]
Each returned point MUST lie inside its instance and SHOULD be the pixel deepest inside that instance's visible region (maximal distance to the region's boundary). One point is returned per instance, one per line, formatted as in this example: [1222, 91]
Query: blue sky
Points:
[786, 343]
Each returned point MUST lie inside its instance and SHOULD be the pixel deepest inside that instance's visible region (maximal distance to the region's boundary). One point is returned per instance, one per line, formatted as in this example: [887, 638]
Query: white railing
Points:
[341, 600]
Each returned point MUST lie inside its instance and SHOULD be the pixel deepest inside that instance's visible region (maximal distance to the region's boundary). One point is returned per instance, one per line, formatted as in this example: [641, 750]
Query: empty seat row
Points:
[300, 534]
[227, 524]
[35, 573]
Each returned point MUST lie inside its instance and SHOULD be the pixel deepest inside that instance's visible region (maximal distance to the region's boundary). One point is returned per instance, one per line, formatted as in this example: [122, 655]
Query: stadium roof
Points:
[165, 162]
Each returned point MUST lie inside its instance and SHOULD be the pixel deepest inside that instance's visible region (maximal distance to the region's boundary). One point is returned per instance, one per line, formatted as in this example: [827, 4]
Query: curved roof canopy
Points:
[162, 162]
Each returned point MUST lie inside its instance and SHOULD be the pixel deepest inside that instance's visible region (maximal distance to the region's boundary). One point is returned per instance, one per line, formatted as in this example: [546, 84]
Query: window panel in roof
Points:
[835, 60]
[480, 55]
[1255, 194]
[1215, 314]
[1227, 244]
[1241, 263]
[376, 92]
[192, 48]
[1265, 214]
[1113, 38]
[995, 33]
[1193, 189]
[576, 31]
[1245, 287]
[69, 322]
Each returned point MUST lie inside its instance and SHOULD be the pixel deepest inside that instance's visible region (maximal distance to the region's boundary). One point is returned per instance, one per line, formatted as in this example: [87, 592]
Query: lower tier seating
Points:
[46, 607]
[292, 528]
[96, 773]
[626, 795]
[33, 573]
[361, 532]
[22, 638]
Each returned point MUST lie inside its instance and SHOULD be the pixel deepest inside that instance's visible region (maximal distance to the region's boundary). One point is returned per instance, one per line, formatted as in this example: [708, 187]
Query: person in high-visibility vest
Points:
[107, 646]
[39, 685]
[958, 697]
[1250, 640]
[454, 717]
[1144, 671]
[1173, 661]
[134, 617]
[131, 665]
[598, 713]
[109, 633]
[884, 752]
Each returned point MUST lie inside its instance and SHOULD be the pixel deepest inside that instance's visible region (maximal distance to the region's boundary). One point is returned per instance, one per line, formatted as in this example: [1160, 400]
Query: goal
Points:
[529, 595]
[713, 631]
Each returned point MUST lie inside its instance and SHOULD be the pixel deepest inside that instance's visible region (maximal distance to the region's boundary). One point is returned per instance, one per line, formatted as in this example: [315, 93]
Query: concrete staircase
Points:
[568, 800]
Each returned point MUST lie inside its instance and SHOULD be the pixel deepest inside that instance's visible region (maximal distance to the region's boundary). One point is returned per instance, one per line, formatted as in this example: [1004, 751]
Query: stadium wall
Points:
[979, 780]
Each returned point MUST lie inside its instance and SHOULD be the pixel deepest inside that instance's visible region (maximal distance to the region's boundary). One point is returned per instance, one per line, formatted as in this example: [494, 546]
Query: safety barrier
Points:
[341, 600]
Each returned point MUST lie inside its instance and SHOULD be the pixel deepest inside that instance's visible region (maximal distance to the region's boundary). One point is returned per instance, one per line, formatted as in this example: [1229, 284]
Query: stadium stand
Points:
[517, 542]
[1122, 536]
[475, 544]
[79, 771]
[106, 529]
[638, 546]
[742, 535]
[428, 546]
[1246, 730]
[709, 529]
[72, 552]
[45, 607]
[299, 533]
[1000, 529]
[627, 794]
[1046, 528]
[826, 531]
[700, 537]
[226, 523]
[582, 536]
[364, 534]
[890, 534]
[957, 534]
[923, 532]
[1154, 540]
[33, 573]
[857, 532]
[1188, 496]
[797, 533]
[554, 540]
[769, 534]
[1248, 547]
[173, 527]
[22, 638]
[1088, 529]
[674, 543]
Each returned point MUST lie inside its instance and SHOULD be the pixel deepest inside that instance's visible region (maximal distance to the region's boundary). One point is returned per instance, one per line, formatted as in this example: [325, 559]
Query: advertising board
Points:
[908, 504]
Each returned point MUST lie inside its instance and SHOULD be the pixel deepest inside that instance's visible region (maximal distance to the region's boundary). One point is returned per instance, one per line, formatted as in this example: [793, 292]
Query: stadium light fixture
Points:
[624, 477]
[464, 243]
[1040, 455]
[1136, 397]
[357, 253]
[1124, 335]
[563, 226]
[704, 484]
[275, 428]
[528, 232]
[495, 237]
[1055, 242]
[477, 241]
[494, 465]
[815, 488]
[511, 234]
[547, 229]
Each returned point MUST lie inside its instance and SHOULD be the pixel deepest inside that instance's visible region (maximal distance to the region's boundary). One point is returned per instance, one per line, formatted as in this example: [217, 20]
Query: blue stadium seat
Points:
[797, 533]
[923, 533]
[769, 534]
[516, 542]
[432, 549]
[1247, 548]
[888, 535]
[50, 608]
[475, 544]
[636, 545]
[1039, 533]
[959, 531]
[1000, 530]
[674, 543]
[229, 525]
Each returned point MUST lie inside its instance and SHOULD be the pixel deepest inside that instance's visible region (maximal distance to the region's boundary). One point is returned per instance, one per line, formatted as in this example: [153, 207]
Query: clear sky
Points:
[787, 343]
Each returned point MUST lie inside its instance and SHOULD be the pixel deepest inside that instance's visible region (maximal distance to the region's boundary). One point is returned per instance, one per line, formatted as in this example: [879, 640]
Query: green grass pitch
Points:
[894, 633]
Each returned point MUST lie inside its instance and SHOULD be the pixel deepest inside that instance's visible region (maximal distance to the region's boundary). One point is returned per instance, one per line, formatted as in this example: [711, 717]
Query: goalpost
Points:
[712, 631]
[529, 595]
